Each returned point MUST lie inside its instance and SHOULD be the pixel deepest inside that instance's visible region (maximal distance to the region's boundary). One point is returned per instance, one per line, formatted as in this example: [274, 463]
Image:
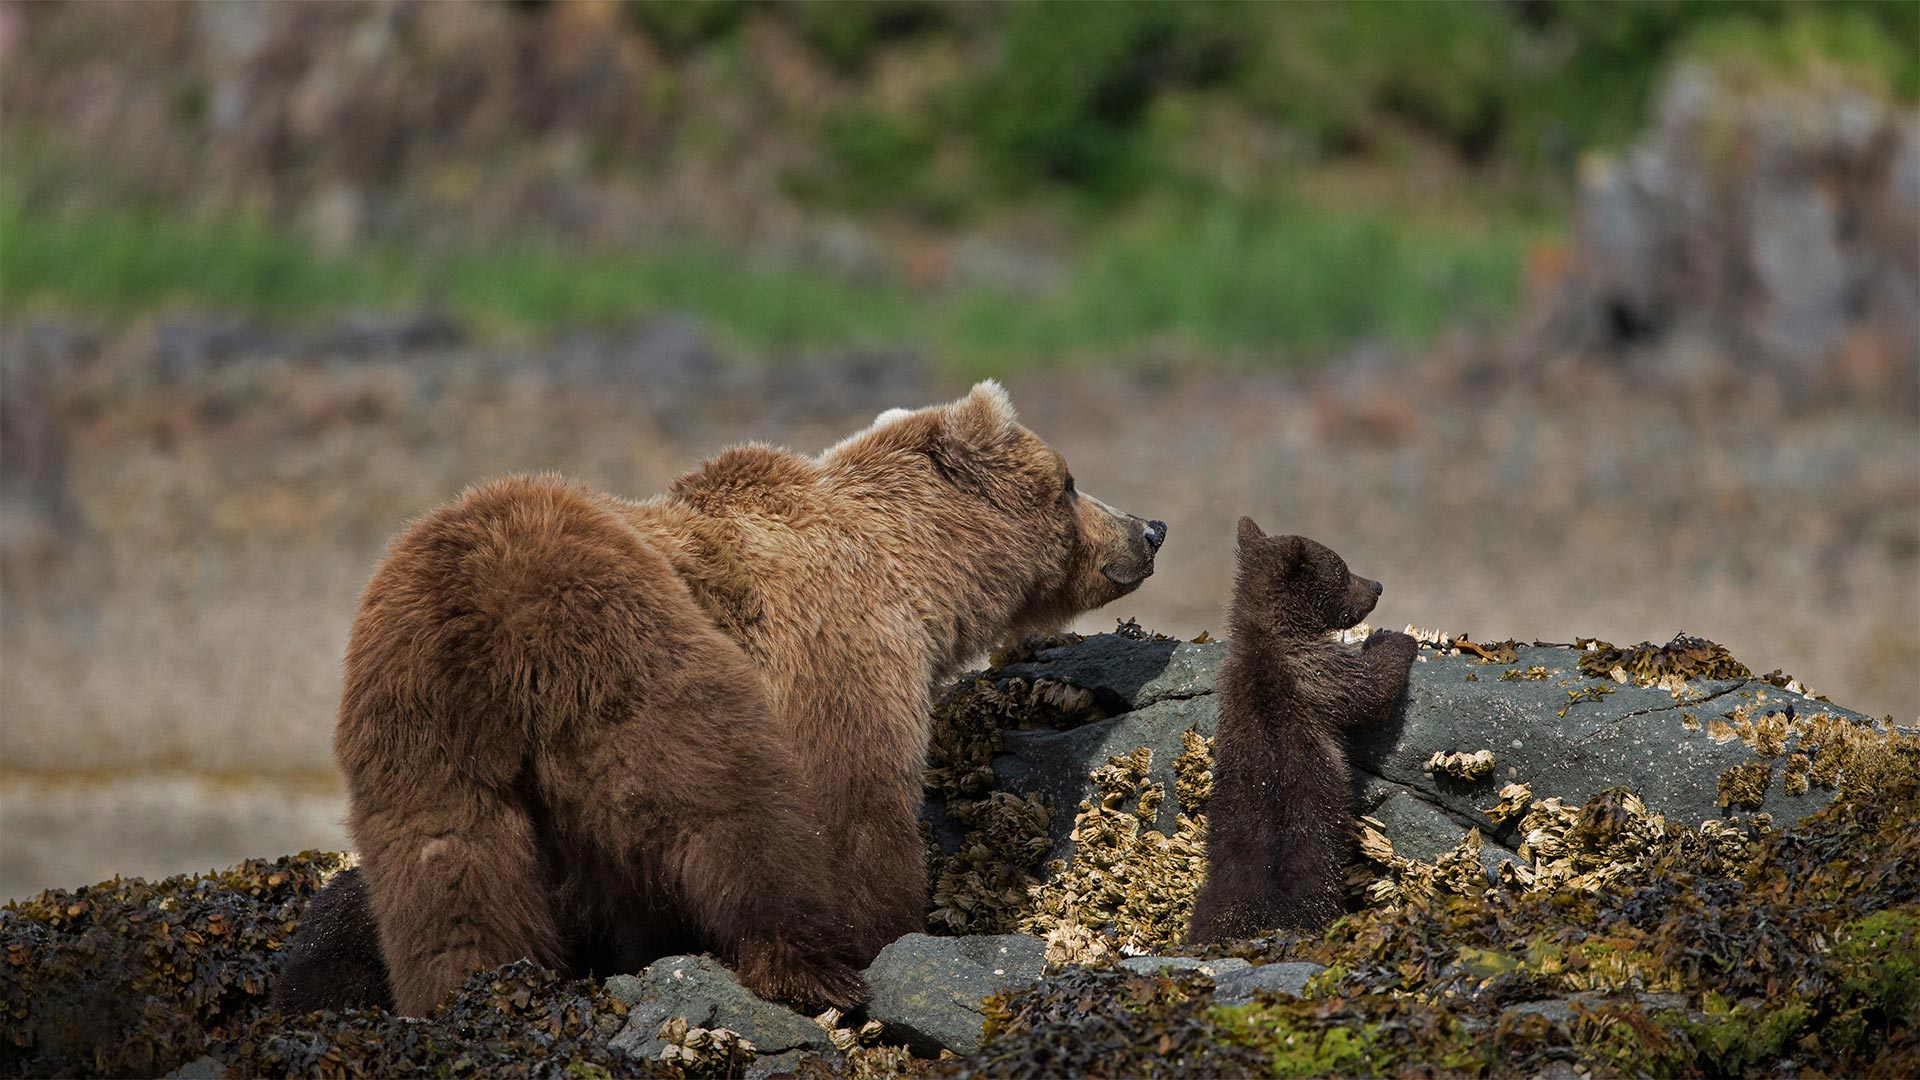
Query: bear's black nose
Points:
[1378, 589]
[1156, 534]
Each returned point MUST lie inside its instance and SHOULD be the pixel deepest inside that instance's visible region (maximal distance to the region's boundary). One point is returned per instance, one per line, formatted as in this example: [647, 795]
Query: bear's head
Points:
[1290, 584]
[997, 519]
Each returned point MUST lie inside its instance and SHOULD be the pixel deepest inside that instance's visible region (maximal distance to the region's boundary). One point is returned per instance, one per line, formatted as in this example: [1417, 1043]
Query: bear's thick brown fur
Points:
[1280, 820]
[593, 732]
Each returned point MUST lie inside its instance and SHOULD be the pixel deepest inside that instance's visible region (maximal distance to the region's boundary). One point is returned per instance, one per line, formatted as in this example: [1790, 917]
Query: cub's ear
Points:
[1290, 552]
[1249, 532]
[982, 420]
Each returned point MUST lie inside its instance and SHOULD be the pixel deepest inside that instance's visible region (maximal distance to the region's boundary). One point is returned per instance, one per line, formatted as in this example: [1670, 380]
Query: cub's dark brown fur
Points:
[1280, 821]
[593, 732]
[333, 961]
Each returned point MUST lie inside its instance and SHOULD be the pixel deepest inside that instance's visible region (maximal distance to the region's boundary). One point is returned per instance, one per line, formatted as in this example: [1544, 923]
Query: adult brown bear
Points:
[592, 731]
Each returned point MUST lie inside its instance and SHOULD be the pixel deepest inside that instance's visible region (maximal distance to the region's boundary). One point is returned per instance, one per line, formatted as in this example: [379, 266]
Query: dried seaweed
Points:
[131, 977]
[518, 1020]
[1647, 664]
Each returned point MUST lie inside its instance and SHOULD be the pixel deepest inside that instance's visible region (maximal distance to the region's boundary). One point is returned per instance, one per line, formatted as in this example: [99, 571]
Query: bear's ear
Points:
[982, 420]
[973, 433]
[1250, 533]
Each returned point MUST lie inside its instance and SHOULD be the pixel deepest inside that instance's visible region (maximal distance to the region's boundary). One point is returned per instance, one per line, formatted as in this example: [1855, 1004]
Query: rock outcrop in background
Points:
[1764, 229]
[1752, 903]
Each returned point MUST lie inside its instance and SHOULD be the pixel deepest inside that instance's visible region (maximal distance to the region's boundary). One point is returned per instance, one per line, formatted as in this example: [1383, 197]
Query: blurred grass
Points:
[1223, 277]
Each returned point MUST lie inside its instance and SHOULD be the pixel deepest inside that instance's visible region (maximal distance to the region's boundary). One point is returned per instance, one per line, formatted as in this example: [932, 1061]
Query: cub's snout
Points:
[1362, 594]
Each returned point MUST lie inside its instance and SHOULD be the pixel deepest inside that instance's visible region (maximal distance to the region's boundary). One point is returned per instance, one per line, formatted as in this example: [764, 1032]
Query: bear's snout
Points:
[1378, 589]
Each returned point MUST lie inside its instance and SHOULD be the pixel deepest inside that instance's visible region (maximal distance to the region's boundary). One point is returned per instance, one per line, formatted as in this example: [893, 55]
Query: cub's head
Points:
[1295, 585]
[998, 518]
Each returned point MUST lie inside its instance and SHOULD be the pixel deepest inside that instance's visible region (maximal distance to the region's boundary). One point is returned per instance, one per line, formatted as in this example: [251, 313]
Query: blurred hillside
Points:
[990, 180]
[1558, 318]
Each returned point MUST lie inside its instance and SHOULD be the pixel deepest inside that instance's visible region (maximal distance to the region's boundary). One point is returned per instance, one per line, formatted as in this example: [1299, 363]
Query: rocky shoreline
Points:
[1575, 860]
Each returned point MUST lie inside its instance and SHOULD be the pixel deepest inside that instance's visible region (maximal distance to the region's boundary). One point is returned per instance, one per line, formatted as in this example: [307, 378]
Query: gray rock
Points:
[927, 990]
[200, 1068]
[707, 995]
[1562, 1010]
[1125, 674]
[1239, 987]
[1154, 965]
[1631, 736]
[1418, 828]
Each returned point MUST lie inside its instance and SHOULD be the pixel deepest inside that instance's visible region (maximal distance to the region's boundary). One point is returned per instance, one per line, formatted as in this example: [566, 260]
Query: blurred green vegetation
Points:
[1240, 178]
[1248, 278]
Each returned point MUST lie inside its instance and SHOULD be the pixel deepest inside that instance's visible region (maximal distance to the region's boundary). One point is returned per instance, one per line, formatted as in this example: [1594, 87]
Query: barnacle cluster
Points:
[982, 888]
[1462, 766]
[1744, 786]
[862, 1055]
[966, 731]
[703, 1051]
[1514, 800]
[1130, 887]
[1824, 747]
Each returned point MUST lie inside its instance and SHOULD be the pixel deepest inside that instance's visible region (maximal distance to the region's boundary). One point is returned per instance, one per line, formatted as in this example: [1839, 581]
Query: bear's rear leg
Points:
[455, 890]
[693, 795]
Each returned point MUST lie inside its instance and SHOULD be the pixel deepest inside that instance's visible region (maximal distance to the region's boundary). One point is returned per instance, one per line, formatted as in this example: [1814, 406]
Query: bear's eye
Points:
[1067, 490]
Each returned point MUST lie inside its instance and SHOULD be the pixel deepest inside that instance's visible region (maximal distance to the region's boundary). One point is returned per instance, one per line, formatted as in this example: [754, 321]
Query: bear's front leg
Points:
[1386, 660]
[885, 869]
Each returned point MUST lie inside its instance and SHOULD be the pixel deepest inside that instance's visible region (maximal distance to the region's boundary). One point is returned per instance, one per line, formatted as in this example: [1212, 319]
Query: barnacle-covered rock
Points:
[1129, 887]
[1635, 946]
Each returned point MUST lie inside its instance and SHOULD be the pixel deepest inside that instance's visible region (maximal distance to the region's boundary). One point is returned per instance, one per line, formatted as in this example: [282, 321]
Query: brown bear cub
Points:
[593, 732]
[1280, 822]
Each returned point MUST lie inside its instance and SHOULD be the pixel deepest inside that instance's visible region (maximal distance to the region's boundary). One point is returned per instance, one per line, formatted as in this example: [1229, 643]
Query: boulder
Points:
[703, 992]
[927, 990]
[1239, 987]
